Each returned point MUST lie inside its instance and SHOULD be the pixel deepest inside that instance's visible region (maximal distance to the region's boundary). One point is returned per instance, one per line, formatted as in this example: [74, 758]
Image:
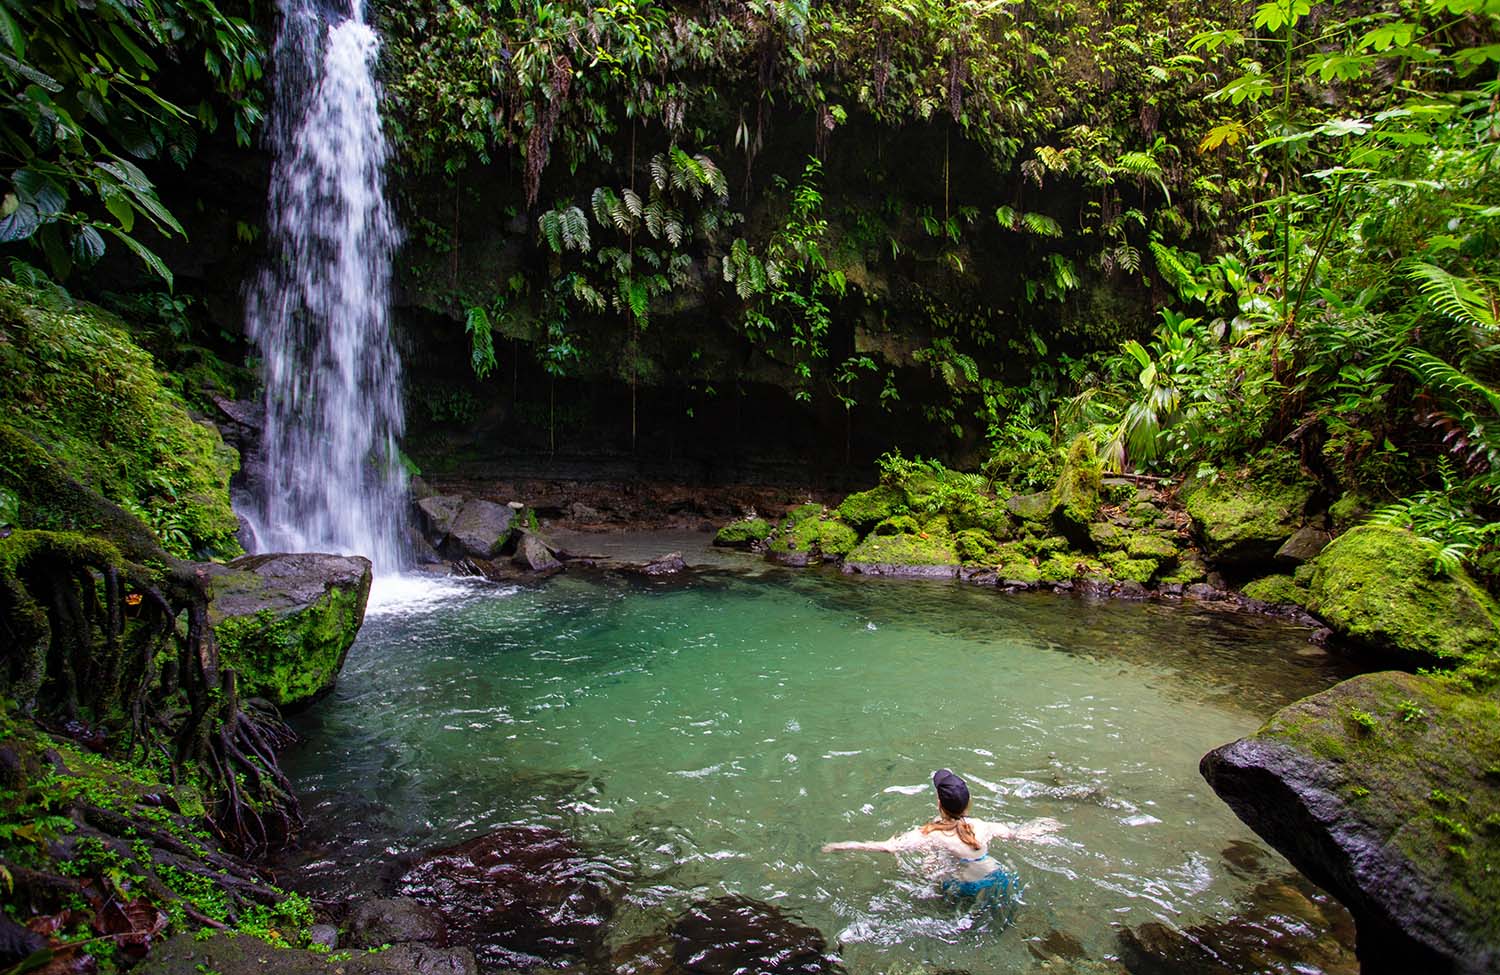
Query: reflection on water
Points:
[714, 730]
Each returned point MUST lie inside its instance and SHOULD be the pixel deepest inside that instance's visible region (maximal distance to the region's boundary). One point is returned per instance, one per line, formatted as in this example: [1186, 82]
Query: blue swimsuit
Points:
[998, 883]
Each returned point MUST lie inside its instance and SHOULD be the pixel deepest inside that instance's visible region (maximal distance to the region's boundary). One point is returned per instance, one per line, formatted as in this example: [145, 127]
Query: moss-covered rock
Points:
[743, 533]
[1030, 507]
[974, 547]
[984, 514]
[285, 622]
[865, 509]
[1190, 569]
[1135, 570]
[898, 525]
[1066, 566]
[1106, 537]
[905, 550]
[1242, 518]
[1014, 565]
[1376, 585]
[835, 539]
[1147, 546]
[1075, 497]
[1278, 589]
[77, 384]
[1383, 790]
[802, 513]
[811, 540]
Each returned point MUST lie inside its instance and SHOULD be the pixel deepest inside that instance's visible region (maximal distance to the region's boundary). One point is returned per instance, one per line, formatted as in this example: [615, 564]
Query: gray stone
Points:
[1304, 545]
[533, 552]
[436, 513]
[664, 565]
[901, 571]
[480, 529]
[393, 920]
[324, 934]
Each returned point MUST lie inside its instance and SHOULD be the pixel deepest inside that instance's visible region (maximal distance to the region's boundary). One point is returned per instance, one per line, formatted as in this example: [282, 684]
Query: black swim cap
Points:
[953, 792]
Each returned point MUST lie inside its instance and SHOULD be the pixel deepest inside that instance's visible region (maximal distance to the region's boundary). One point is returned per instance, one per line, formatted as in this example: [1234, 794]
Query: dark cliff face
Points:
[1377, 790]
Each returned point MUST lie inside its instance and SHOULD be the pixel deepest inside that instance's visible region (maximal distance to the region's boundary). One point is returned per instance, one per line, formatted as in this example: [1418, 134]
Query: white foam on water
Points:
[410, 594]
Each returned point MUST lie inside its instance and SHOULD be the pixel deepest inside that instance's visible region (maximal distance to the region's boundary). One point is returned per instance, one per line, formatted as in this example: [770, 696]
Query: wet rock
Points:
[16, 942]
[1202, 591]
[1284, 925]
[739, 936]
[521, 896]
[791, 558]
[285, 622]
[1304, 545]
[436, 513]
[323, 934]
[1378, 790]
[584, 514]
[533, 552]
[1030, 507]
[662, 565]
[421, 549]
[1055, 944]
[899, 571]
[393, 920]
[479, 530]
[241, 954]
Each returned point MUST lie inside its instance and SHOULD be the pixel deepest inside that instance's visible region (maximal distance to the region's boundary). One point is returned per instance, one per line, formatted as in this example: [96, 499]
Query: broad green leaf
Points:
[147, 256]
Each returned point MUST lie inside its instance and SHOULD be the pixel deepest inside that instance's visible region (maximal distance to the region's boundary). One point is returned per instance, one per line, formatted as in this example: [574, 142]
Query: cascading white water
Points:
[318, 312]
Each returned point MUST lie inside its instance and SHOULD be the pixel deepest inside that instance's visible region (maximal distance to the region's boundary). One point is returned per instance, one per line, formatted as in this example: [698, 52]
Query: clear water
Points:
[330, 479]
[714, 731]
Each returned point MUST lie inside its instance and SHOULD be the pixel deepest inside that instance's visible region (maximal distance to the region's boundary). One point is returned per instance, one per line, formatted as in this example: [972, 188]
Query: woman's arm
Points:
[1033, 831]
[895, 844]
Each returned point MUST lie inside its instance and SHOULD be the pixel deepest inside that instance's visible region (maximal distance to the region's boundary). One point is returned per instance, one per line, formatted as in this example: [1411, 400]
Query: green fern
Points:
[1464, 300]
[1042, 225]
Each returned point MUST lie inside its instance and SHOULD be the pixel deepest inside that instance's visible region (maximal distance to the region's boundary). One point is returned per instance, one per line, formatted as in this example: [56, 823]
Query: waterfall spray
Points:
[318, 313]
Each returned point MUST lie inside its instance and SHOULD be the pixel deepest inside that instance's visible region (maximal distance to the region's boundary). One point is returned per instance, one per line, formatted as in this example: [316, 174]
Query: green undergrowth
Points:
[79, 387]
[131, 851]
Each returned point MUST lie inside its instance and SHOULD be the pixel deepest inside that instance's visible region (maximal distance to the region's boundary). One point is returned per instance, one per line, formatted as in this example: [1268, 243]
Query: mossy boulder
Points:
[865, 509]
[285, 622]
[1190, 569]
[1135, 570]
[1107, 537]
[1375, 585]
[1014, 565]
[1075, 497]
[898, 525]
[904, 555]
[811, 540]
[1383, 790]
[743, 533]
[1030, 507]
[1147, 546]
[1278, 589]
[984, 514]
[974, 547]
[1243, 517]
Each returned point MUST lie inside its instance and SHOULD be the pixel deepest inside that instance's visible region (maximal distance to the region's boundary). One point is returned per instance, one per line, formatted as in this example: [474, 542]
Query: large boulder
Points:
[479, 530]
[1384, 791]
[520, 897]
[394, 920]
[1375, 585]
[285, 622]
[861, 511]
[1243, 518]
[241, 954]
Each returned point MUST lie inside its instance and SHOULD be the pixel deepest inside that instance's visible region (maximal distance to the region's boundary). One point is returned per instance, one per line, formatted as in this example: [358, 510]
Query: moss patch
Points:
[1376, 585]
[1413, 750]
[1279, 589]
[904, 550]
[81, 388]
[1075, 498]
[864, 509]
[1244, 516]
[290, 658]
[743, 533]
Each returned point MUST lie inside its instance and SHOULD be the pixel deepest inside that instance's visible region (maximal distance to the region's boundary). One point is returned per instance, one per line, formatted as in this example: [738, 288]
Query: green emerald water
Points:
[707, 733]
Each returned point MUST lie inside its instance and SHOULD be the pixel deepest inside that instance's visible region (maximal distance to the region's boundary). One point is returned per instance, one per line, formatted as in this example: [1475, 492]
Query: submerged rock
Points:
[1383, 791]
[521, 896]
[285, 622]
[1376, 585]
[739, 936]
[394, 920]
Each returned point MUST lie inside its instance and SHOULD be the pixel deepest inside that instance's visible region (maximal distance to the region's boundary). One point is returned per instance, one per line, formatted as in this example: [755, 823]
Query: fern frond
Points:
[660, 176]
[713, 177]
[634, 205]
[549, 227]
[1042, 225]
[1464, 300]
[1444, 378]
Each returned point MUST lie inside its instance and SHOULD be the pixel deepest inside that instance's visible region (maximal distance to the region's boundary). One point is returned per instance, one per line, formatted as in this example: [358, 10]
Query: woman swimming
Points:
[957, 847]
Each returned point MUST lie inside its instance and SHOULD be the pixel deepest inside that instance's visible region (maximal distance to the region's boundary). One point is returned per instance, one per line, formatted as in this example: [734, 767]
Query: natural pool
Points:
[706, 733]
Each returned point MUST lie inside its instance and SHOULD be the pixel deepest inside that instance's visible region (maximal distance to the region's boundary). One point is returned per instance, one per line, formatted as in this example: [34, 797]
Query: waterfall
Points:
[318, 312]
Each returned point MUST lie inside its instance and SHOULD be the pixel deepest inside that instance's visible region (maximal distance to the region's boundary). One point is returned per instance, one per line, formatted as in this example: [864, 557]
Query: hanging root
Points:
[99, 639]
